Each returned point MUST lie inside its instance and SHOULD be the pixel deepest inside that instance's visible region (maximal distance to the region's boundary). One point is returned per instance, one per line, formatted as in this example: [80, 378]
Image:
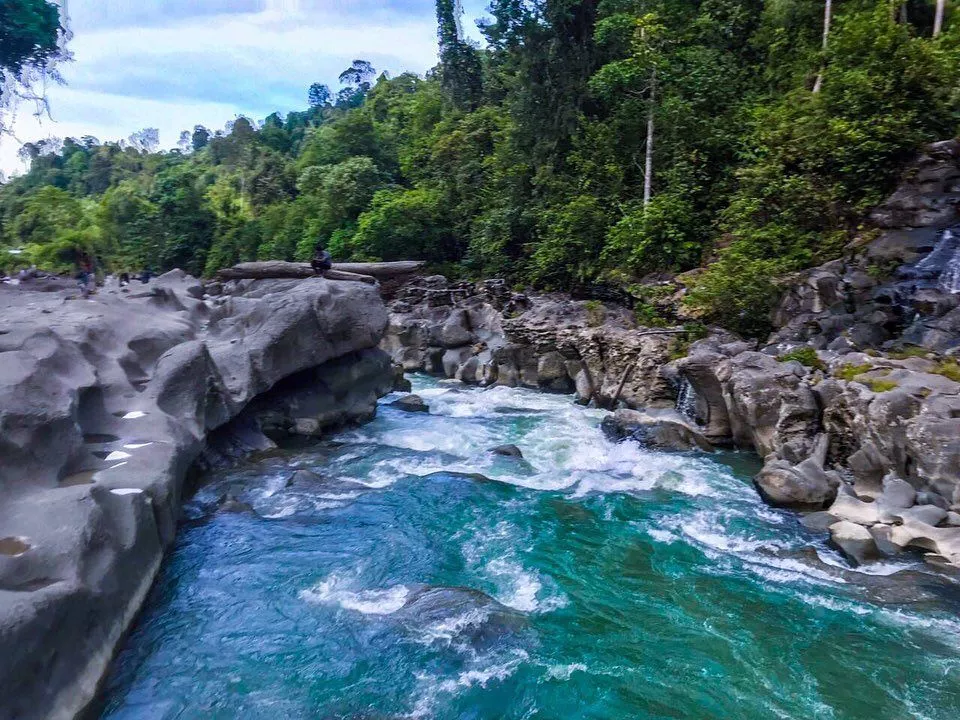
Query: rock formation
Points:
[876, 400]
[104, 405]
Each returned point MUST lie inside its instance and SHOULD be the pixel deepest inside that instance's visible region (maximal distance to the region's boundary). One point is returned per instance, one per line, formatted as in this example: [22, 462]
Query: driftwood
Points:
[273, 269]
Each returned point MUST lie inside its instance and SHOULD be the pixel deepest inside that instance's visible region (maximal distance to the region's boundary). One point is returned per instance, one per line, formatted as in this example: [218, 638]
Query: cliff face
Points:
[104, 405]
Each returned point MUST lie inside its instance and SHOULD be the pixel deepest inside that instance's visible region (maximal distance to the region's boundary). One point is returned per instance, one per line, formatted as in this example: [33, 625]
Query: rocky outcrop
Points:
[899, 284]
[104, 405]
[485, 334]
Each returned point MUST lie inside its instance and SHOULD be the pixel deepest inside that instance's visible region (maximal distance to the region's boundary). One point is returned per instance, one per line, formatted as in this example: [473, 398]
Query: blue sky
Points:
[172, 64]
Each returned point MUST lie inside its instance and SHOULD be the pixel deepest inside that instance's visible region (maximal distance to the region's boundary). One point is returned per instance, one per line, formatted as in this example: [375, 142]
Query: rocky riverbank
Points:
[853, 400]
[104, 406]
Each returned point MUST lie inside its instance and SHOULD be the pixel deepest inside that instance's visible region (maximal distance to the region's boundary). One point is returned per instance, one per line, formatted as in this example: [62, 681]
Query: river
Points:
[422, 576]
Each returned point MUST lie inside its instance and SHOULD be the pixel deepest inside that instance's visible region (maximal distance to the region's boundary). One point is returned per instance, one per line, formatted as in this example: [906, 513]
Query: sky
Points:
[173, 64]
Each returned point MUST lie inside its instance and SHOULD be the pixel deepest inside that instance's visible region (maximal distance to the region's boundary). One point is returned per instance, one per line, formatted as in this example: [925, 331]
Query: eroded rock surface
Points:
[104, 405]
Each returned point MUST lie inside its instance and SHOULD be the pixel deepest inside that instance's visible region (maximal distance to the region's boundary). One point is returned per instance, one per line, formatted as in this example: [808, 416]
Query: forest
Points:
[587, 143]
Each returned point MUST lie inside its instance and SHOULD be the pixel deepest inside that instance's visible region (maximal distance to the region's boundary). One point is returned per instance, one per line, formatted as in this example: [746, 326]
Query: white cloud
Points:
[172, 64]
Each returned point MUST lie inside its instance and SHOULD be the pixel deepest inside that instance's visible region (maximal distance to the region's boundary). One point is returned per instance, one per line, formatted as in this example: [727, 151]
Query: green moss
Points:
[950, 369]
[880, 386]
[806, 356]
[911, 351]
[850, 372]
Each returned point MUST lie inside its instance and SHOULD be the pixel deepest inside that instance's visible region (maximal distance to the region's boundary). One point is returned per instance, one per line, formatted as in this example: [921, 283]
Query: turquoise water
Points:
[423, 577]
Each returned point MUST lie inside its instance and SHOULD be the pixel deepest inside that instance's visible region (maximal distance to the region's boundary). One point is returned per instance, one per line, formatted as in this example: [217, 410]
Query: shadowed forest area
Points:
[610, 142]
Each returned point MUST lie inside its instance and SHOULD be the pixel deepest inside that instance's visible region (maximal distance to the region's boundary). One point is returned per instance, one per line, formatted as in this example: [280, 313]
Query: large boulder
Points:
[104, 405]
[805, 485]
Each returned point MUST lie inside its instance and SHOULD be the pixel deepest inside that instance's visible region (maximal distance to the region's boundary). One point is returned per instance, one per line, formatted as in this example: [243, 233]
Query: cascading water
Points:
[687, 400]
[949, 280]
[943, 262]
[586, 580]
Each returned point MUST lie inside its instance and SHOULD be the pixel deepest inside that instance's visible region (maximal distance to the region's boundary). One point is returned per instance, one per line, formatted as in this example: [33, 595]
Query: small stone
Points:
[507, 451]
[411, 403]
[953, 519]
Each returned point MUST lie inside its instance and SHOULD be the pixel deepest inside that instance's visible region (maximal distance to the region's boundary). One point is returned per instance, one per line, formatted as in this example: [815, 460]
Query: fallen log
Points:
[278, 269]
[355, 277]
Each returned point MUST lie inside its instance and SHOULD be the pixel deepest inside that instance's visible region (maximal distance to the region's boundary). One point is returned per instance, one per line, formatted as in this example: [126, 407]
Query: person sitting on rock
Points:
[321, 260]
[124, 278]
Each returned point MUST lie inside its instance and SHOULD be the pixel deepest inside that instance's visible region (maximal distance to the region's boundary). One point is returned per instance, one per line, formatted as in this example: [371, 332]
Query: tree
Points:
[319, 95]
[200, 138]
[31, 40]
[460, 70]
[358, 75]
[145, 141]
[938, 17]
[827, 15]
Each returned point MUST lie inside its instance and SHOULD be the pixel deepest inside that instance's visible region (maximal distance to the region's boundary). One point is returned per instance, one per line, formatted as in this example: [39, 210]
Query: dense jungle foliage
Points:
[527, 158]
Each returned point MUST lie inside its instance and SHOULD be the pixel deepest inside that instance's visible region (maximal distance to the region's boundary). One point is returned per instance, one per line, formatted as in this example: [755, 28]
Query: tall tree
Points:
[460, 69]
[319, 95]
[827, 17]
[938, 17]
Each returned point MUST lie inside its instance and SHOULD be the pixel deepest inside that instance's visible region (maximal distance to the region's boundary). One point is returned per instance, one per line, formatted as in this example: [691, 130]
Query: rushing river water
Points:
[424, 577]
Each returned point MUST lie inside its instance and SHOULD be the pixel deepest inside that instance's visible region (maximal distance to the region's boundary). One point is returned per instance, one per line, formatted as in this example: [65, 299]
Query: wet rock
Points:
[820, 520]
[411, 403]
[855, 541]
[303, 479]
[507, 451]
[659, 429]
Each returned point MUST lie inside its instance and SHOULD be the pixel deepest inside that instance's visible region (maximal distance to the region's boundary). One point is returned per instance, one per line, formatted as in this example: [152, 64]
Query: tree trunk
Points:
[827, 13]
[938, 17]
[276, 269]
[648, 163]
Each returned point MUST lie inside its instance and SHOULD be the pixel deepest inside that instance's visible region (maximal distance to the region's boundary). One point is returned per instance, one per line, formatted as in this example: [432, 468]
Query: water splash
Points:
[943, 262]
[687, 400]
[949, 280]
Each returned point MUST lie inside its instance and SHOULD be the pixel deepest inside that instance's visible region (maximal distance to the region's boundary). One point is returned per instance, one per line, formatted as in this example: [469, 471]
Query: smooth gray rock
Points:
[142, 379]
[855, 541]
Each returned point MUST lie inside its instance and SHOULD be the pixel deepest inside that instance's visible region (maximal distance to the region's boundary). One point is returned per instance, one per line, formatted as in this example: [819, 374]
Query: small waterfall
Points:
[943, 262]
[949, 280]
[687, 400]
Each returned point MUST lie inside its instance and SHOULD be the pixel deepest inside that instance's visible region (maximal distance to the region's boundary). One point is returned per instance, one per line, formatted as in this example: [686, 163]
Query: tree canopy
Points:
[528, 157]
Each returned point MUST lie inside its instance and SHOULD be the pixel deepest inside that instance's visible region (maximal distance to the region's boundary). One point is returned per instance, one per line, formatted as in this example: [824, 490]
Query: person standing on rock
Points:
[321, 259]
